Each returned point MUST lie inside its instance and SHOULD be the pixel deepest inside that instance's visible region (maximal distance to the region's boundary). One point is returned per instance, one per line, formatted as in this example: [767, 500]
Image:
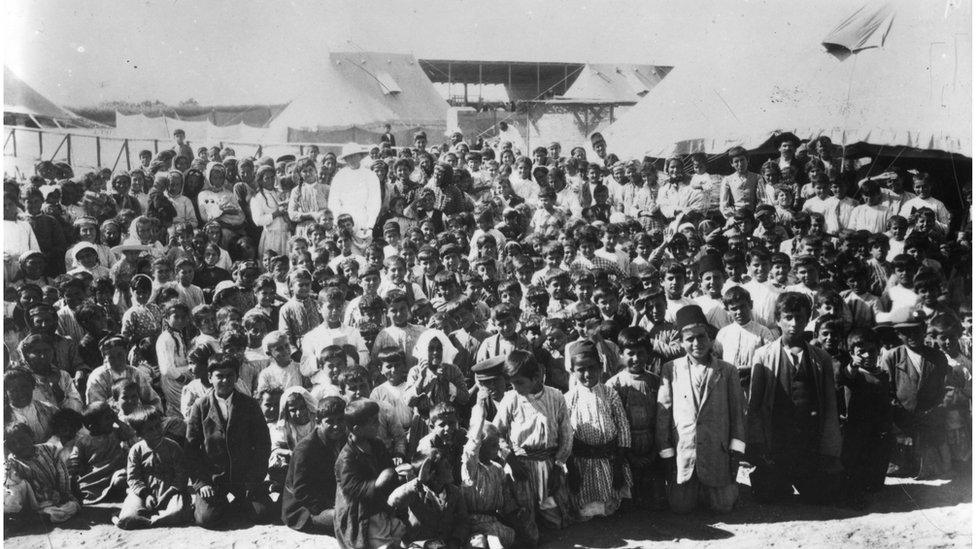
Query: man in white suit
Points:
[701, 425]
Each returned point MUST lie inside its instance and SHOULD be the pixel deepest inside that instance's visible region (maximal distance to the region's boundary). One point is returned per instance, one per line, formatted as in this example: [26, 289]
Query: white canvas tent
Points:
[356, 93]
[623, 83]
[891, 74]
[25, 106]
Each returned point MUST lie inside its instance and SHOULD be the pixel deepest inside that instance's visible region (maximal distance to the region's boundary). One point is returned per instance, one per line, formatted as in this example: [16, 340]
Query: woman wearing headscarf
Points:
[217, 201]
[269, 208]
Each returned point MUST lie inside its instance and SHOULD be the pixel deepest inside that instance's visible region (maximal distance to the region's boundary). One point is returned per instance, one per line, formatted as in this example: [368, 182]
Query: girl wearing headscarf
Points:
[295, 418]
[307, 199]
[185, 212]
[434, 379]
[87, 231]
[269, 208]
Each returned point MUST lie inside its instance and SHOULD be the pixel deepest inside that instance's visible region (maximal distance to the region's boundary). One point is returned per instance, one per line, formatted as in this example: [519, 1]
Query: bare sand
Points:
[906, 513]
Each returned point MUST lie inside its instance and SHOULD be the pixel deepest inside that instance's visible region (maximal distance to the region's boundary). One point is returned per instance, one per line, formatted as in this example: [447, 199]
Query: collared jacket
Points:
[701, 430]
[916, 397]
[228, 454]
[767, 361]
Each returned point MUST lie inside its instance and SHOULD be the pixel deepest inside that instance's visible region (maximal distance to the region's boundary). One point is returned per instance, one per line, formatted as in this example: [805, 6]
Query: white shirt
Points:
[224, 405]
[739, 342]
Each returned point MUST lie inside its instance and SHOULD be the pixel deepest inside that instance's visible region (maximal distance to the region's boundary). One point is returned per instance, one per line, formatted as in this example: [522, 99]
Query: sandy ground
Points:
[905, 513]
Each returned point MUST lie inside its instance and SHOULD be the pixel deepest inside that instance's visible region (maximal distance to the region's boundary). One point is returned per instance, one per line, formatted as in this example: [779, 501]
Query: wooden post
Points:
[98, 152]
[450, 80]
[155, 146]
[538, 81]
[40, 143]
[68, 139]
[128, 161]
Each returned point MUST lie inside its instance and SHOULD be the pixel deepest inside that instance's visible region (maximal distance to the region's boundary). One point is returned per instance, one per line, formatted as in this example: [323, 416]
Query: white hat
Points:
[352, 149]
[131, 245]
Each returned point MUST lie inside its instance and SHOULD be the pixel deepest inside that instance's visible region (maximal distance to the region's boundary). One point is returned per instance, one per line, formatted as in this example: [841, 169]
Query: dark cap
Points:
[492, 368]
[649, 294]
[710, 262]
[688, 316]
[584, 353]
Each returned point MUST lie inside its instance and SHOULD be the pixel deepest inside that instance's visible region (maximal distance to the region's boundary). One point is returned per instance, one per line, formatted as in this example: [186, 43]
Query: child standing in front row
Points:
[537, 437]
[156, 474]
[599, 477]
[637, 387]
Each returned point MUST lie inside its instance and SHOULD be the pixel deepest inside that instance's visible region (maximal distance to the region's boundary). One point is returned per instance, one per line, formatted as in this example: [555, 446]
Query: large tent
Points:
[615, 83]
[351, 97]
[25, 106]
[894, 74]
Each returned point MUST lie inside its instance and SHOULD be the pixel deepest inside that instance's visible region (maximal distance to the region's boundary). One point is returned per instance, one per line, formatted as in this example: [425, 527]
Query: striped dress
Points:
[40, 483]
[297, 318]
[599, 420]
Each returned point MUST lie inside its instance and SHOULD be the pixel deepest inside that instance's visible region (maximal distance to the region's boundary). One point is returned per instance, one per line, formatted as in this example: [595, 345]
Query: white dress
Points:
[275, 230]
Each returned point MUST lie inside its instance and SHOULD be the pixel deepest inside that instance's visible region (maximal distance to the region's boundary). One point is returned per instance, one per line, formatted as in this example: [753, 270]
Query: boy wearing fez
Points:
[794, 431]
[227, 449]
[701, 426]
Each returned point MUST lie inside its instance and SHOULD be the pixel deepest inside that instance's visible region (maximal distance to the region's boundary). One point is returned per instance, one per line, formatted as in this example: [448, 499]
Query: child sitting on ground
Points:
[37, 481]
[98, 458]
[444, 436]
[432, 505]
[365, 475]
[488, 492]
[308, 500]
[156, 475]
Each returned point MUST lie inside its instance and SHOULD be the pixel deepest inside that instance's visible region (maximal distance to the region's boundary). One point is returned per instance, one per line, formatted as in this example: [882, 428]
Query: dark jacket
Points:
[229, 455]
[916, 398]
[358, 497]
[310, 486]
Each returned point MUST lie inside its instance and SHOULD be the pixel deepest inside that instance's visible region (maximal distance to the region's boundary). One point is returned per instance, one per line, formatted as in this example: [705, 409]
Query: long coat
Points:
[765, 374]
[310, 486]
[228, 454]
[703, 431]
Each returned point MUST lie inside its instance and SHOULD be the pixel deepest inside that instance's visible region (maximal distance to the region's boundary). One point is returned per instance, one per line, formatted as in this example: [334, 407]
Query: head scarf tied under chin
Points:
[307, 396]
[420, 350]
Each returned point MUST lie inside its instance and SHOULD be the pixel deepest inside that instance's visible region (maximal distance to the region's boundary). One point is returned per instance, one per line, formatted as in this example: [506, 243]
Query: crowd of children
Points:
[513, 344]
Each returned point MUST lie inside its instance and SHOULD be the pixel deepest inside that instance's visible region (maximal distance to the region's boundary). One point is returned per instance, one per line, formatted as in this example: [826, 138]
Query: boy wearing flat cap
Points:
[918, 385]
[701, 424]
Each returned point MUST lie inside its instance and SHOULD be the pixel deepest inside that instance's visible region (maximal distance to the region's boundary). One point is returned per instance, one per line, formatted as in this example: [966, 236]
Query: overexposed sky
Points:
[251, 51]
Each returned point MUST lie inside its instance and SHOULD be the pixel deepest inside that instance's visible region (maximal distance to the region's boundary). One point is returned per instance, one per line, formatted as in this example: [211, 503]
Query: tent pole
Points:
[68, 139]
[128, 162]
[40, 143]
[98, 152]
